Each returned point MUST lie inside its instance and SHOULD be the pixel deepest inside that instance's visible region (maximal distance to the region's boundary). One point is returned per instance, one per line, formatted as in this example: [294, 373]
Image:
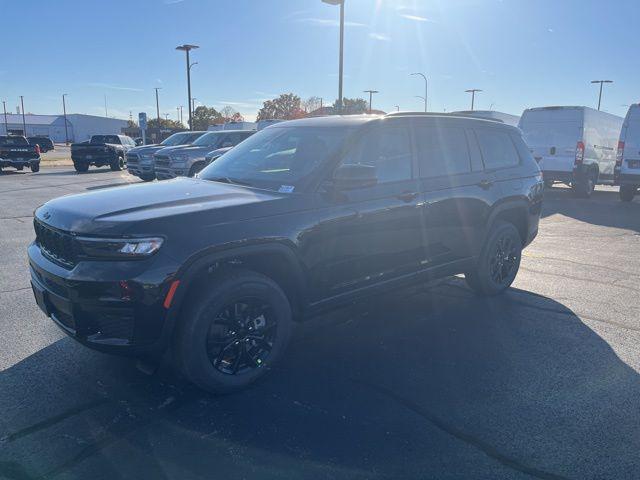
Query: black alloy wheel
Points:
[241, 336]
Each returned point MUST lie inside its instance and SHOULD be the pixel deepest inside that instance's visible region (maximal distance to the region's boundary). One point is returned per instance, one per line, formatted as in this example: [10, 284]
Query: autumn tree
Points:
[165, 123]
[286, 107]
[311, 104]
[230, 114]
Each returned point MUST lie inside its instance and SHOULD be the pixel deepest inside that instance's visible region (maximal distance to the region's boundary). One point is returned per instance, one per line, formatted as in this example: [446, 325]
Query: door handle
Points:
[485, 184]
[407, 196]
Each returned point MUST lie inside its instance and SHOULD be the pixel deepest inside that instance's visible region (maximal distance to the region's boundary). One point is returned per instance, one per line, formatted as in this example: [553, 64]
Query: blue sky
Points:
[522, 53]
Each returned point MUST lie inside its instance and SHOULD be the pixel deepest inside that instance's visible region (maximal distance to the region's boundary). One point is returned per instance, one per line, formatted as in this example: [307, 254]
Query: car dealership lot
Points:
[541, 382]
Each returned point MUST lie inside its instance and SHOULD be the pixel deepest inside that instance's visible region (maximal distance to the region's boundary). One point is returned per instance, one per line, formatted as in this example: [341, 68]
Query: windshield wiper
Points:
[228, 180]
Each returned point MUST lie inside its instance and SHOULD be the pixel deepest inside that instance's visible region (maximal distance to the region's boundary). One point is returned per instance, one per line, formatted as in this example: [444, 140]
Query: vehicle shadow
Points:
[428, 384]
[69, 170]
[603, 208]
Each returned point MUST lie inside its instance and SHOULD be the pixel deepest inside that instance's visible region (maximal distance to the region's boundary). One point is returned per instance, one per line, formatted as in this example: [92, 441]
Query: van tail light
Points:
[579, 153]
[619, 154]
[37, 149]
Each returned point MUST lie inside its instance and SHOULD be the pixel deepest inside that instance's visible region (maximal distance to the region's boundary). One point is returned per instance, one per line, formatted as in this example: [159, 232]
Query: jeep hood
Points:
[129, 209]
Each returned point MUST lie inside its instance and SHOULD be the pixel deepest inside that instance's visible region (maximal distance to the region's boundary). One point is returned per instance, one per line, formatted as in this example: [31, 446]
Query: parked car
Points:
[45, 143]
[301, 217]
[17, 152]
[217, 153]
[189, 160]
[140, 159]
[573, 145]
[627, 170]
[101, 150]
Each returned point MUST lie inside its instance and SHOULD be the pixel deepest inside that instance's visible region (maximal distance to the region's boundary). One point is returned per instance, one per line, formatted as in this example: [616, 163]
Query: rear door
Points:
[457, 192]
[631, 138]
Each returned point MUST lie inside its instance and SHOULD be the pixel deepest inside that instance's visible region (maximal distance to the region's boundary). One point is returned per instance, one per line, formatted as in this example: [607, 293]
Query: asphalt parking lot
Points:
[541, 382]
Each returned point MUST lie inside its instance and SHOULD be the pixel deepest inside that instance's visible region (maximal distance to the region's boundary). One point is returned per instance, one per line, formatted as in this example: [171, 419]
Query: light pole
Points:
[600, 95]
[157, 105]
[426, 88]
[397, 108]
[64, 111]
[24, 123]
[421, 98]
[106, 113]
[473, 91]
[187, 48]
[193, 104]
[6, 124]
[181, 107]
[341, 61]
[371, 92]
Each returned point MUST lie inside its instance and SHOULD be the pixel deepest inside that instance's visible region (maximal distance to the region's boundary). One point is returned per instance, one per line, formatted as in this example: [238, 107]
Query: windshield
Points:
[210, 139]
[105, 139]
[182, 138]
[11, 141]
[278, 158]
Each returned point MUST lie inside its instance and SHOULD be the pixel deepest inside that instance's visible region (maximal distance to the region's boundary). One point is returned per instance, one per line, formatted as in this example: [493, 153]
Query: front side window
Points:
[388, 149]
[211, 139]
[442, 151]
[278, 158]
[497, 149]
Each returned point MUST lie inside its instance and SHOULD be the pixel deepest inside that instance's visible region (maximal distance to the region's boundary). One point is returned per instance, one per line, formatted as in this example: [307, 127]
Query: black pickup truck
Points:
[15, 151]
[101, 150]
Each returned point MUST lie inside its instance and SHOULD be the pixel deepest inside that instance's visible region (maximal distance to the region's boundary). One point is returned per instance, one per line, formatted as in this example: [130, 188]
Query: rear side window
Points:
[13, 141]
[521, 147]
[497, 148]
[442, 151]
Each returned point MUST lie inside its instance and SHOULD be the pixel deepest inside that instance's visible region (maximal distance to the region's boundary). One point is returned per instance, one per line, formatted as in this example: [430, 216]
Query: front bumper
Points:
[164, 173]
[141, 170]
[114, 307]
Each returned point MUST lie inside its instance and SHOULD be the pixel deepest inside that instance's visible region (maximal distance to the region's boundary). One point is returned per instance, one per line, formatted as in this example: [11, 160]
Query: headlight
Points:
[120, 248]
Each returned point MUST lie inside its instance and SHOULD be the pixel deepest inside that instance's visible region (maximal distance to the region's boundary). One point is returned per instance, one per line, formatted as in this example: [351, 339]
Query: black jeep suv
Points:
[303, 216]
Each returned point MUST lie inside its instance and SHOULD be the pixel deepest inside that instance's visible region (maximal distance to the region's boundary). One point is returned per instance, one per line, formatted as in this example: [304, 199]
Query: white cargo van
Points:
[627, 171]
[573, 145]
[506, 118]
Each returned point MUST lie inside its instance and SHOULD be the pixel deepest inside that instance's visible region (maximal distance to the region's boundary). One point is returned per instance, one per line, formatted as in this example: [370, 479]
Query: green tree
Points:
[286, 107]
[164, 123]
[205, 116]
[352, 106]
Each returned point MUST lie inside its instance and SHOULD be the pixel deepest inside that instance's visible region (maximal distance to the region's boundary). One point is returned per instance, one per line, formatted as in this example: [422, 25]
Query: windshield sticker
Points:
[286, 188]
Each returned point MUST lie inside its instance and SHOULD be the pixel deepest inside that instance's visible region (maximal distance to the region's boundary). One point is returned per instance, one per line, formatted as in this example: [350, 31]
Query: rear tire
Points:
[117, 164]
[499, 261]
[81, 167]
[148, 178]
[584, 188]
[627, 192]
[35, 167]
[224, 346]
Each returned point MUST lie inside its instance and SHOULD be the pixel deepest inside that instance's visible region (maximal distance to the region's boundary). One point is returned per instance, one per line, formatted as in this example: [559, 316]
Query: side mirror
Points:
[227, 145]
[351, 176]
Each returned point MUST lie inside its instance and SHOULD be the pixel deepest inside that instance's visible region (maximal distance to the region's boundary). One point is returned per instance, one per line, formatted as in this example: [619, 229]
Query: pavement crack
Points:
[467, 438]
[49, 422]
[15, 290]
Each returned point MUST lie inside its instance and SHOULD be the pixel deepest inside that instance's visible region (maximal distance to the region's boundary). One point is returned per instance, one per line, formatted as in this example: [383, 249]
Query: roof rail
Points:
[441, 114]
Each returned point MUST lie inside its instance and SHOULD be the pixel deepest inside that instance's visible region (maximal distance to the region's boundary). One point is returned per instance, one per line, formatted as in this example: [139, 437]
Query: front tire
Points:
[234, 331]
[117, 164]
[196, 168]
[35, 167]
[627, 192]
[499, 261]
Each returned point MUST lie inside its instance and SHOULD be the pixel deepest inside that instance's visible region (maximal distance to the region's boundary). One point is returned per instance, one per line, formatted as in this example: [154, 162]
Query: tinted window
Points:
[498, 151]
[11, 141]
[105, 139]
[522, 148]
[442, 151]
[388, 148]
[211, 139]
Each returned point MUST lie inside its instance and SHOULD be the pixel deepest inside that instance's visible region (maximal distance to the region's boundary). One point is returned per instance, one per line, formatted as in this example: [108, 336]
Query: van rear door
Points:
[631, 139]
[552, 135]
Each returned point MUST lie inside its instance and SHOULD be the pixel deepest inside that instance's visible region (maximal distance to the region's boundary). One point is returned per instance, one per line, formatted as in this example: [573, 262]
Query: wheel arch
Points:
[514, 211]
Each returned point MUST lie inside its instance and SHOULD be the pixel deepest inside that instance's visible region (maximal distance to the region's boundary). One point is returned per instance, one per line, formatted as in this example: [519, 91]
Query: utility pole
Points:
[473, 91]
[426, 88]
[6, 124]
[600, 95]
[371, 92]
[181, 107]
[187, 48]
[158, 105]
[24, 123]
[341, 59]
[106, 113]
[64, 111]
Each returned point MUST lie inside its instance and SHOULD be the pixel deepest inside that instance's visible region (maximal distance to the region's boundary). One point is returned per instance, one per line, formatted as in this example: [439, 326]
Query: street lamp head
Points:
[333, 2]
[473, 90]
[186, 47]
[601, 81]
